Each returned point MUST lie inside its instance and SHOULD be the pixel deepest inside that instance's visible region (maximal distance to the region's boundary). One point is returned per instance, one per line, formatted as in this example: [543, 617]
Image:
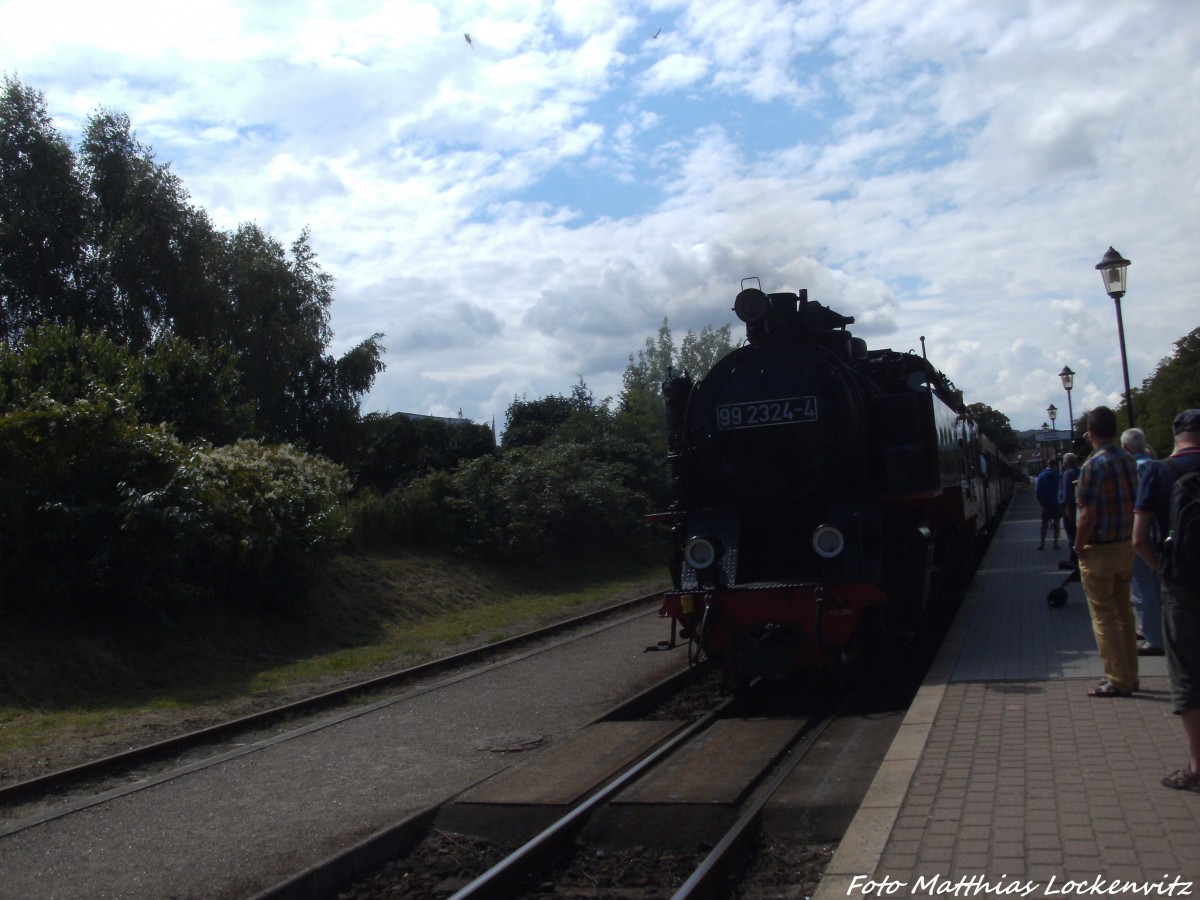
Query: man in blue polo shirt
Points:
[1181, 603]
[1108, 485]
[1045, 489]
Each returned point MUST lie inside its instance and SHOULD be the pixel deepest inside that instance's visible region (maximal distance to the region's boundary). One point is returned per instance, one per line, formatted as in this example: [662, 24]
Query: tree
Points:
[700, 352]
[400, 448]
[155, 260]
[183, 386]
[42, 217]
[109, 241]
[996, 426]
[571, 486]
[645, 374]
[132, 334]
[1173, 387]
[279, 330]
[696, 355]
[649, 370]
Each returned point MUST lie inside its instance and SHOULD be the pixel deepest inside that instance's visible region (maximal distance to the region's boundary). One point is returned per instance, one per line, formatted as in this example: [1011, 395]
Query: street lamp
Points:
[1112, 270]
[1068, 380]
[1052, 412]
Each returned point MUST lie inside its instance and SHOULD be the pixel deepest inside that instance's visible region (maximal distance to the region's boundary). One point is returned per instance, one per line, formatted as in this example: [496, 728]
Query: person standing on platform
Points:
[1046, 491]
[1066, 497]
[1180, 600]
[1147, 602]
[1103, 543]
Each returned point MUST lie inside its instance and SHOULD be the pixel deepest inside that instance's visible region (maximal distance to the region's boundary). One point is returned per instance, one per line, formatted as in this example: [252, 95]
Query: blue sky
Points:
[523, 210]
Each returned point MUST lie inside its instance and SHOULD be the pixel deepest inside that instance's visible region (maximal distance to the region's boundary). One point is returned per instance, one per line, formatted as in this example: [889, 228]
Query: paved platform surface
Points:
[1006, 778]
[245, 820]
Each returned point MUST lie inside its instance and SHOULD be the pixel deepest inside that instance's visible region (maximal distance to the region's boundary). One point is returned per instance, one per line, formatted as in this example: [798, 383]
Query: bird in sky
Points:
[469, 41]
[654, 37]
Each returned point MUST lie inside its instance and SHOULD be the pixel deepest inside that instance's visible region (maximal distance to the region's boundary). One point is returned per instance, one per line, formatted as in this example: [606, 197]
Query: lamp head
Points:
[1112, 270]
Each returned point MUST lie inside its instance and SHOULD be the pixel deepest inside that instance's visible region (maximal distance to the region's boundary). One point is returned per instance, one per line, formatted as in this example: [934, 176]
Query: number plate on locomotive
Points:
[766, 412]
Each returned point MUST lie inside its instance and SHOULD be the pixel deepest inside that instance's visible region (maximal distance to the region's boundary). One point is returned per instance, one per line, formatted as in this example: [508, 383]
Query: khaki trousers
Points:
[1107, 572]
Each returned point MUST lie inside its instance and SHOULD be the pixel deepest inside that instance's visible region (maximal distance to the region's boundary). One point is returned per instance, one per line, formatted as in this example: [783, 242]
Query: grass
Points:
[365, 614]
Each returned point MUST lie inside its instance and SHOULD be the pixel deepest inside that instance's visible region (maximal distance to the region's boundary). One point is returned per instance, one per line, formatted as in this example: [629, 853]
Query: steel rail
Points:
[501, 880]
[706, 880]
[22, 790]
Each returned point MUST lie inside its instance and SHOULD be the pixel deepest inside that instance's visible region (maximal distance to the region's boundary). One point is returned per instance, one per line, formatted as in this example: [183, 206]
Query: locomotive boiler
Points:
[819, 492]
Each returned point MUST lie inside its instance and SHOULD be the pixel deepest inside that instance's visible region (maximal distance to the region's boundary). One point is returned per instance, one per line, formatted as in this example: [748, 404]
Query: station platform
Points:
[1006, 778]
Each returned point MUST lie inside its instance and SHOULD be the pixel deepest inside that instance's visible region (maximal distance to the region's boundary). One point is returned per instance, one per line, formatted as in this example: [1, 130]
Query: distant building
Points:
[1039, 446]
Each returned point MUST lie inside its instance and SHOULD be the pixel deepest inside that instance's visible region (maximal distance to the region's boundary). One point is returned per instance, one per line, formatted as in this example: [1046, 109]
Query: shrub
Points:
[548, 504]
[261, 513]
[96, 507]
[64, 467]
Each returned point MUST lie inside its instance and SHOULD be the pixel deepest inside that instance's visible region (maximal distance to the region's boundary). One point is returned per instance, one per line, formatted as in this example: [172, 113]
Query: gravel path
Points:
[238, 826]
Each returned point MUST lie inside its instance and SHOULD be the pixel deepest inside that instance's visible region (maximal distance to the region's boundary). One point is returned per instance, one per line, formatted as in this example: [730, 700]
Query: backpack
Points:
[1181, 549]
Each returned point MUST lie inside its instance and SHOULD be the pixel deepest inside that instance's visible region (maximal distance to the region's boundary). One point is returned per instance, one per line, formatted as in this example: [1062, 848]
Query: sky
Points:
[521, 210]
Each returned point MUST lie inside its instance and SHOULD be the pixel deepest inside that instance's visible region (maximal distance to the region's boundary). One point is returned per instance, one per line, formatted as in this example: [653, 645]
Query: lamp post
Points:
[1112, 271]
[1068, 380]
[1052, 412]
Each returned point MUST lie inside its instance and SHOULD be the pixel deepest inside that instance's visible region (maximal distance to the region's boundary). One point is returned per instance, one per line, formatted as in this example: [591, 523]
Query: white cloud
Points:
[952, 170]
[676, 71]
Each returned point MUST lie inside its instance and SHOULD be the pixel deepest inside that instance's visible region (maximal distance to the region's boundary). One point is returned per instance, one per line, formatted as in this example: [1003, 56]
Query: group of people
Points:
[1115, 507]
[1055, 493]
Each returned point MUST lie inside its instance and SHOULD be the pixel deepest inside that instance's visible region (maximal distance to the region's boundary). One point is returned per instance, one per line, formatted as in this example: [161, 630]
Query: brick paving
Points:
[1006, 779]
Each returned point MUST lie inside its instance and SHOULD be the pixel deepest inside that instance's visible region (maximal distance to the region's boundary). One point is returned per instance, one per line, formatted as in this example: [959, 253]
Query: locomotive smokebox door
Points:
[770, 426]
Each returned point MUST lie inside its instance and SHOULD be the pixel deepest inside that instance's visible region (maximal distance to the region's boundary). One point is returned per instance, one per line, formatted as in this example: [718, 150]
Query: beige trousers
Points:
[1107, 572]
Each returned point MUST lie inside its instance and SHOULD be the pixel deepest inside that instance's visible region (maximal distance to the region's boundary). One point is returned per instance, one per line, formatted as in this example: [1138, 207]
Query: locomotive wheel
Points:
[1057, 597]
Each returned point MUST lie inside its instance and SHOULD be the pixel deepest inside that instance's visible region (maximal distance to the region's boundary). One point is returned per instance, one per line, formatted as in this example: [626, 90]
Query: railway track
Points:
[621, 815]
[103, 767]
[707, 879]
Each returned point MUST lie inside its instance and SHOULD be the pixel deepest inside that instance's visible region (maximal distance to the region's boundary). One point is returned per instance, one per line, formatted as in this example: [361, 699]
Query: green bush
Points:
[548, 504]
[64, 467]
[400, 448]
[259, 512]
[572, 484]
[98, 508]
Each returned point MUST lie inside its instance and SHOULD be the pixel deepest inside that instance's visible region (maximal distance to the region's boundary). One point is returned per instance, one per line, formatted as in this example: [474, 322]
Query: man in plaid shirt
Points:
[1107, 488]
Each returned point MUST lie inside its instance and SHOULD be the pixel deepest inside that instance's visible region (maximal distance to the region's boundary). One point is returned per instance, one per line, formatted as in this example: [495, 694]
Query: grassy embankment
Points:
[367, 614]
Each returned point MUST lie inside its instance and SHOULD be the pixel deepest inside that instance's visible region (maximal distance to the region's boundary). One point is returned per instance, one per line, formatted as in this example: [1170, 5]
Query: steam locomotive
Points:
[820, 491]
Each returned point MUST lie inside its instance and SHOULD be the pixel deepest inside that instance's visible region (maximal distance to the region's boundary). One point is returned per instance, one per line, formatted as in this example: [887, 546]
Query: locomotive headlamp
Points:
[752, 306]
[701, 552]
[828, 541]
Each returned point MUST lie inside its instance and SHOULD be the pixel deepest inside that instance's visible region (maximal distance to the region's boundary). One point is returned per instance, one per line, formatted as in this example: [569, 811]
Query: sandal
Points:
[1105, 689]
[1182, 780]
